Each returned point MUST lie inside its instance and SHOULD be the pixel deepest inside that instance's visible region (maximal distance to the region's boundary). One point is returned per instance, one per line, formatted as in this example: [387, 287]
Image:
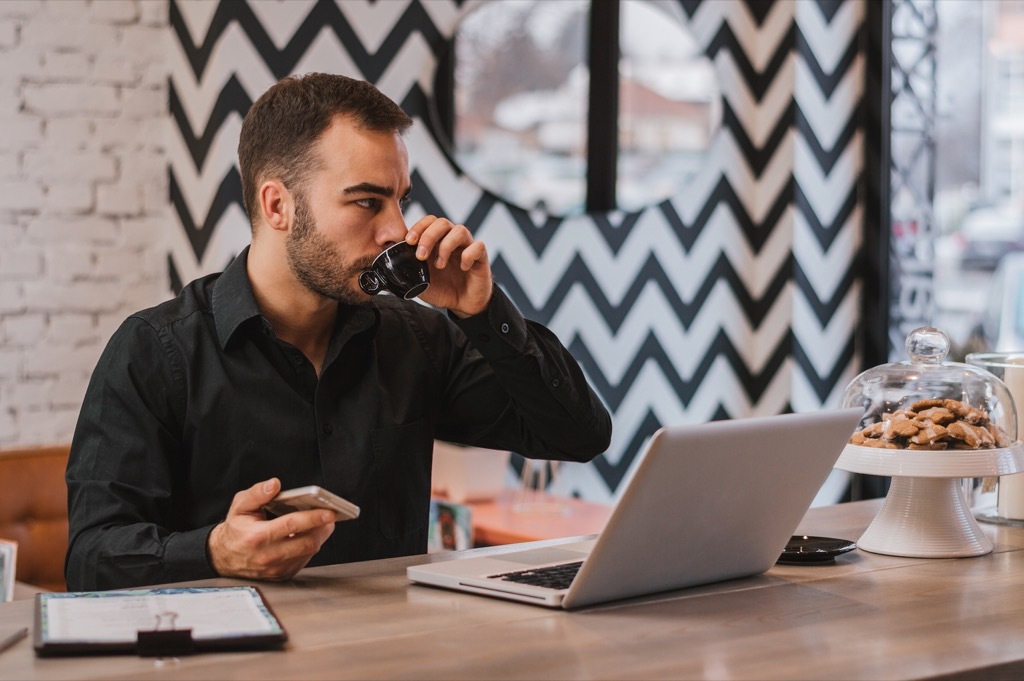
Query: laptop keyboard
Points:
[553, 577]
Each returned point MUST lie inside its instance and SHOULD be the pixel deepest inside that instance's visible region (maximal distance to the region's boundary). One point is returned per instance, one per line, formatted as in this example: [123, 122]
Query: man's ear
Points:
[276, 205]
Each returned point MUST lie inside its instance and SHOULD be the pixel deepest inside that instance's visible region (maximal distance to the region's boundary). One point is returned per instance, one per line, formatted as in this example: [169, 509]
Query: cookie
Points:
[901, 426]
[939, 415]
[933, 424]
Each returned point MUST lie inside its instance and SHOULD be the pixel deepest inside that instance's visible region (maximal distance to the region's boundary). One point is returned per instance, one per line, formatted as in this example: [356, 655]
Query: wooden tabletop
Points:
[24, 591]
[867, 616]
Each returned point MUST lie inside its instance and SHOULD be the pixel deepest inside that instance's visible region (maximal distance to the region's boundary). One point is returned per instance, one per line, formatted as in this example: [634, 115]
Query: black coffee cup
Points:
[396, 270]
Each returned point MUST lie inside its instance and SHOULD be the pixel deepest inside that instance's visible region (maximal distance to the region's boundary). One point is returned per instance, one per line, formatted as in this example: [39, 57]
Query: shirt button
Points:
[327, 429]
[504, 328]
[554, 383]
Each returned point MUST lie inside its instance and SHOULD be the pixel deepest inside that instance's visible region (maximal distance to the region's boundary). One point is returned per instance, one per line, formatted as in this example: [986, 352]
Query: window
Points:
[549, 119]
[979, 192]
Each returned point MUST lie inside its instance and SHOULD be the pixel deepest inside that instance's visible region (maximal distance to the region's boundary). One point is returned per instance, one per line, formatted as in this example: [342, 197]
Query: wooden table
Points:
[866, 617]
[501, 521]
[23, 591]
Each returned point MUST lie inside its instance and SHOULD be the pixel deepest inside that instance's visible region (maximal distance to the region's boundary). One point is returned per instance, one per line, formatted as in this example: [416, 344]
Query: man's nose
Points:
[392, 228]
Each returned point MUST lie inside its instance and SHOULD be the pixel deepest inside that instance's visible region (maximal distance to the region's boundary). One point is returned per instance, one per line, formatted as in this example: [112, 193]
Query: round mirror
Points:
[519, 113]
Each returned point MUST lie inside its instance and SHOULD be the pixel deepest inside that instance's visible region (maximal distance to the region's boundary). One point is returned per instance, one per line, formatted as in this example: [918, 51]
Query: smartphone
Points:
[308, 498]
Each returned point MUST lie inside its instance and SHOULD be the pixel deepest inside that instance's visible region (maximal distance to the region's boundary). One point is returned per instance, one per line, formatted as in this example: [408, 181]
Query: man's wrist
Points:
[465, 315]
[212, 549]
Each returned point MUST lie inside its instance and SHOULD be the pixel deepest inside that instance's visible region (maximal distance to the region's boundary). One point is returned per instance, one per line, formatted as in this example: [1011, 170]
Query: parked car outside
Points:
[1000, 327]
[988, 234]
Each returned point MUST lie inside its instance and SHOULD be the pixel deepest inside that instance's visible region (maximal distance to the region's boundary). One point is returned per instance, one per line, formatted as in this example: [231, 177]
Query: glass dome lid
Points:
[926, 403]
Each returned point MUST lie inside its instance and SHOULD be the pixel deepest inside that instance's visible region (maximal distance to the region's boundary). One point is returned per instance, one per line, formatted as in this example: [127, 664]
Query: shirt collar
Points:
[234, 303]
[233, 300]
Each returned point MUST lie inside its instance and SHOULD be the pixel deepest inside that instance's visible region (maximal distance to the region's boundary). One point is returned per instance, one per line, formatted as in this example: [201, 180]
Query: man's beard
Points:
[318, 265]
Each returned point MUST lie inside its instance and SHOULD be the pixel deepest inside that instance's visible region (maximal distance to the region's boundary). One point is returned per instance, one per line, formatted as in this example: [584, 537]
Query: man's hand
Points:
[460, 273]
[248, 545]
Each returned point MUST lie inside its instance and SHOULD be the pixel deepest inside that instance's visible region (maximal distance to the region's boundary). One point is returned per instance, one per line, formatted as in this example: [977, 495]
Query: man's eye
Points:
[368, 203]
[404, 203]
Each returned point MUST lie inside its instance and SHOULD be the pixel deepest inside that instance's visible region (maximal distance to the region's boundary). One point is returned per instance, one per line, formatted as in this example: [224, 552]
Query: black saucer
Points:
[804, 549]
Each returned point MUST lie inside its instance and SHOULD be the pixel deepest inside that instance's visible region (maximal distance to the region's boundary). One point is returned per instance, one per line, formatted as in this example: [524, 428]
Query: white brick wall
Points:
[81, 238]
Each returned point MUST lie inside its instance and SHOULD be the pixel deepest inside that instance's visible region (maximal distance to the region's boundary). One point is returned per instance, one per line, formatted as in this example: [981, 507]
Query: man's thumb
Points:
[267, 489]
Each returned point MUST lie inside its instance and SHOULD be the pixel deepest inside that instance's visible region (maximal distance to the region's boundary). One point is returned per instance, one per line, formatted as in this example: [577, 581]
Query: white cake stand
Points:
[925, 514]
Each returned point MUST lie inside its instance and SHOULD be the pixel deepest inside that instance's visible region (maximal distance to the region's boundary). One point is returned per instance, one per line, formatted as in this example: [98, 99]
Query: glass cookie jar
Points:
[928, 404]
[928, 423]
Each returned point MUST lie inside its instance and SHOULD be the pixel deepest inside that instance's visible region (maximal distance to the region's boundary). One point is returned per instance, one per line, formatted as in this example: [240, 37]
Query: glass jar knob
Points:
[927, 345]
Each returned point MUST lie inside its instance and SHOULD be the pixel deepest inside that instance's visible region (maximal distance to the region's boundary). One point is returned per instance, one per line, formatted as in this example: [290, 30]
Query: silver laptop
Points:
[707, 503]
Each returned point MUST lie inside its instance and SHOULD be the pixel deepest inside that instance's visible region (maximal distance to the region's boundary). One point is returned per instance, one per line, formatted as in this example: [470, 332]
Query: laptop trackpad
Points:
[541, 556]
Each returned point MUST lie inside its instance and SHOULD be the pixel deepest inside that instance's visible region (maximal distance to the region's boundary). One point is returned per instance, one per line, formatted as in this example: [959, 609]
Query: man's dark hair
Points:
[282, 127]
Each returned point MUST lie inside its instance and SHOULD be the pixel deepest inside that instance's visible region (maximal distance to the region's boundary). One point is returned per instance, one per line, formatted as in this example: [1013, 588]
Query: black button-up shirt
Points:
[197, 399]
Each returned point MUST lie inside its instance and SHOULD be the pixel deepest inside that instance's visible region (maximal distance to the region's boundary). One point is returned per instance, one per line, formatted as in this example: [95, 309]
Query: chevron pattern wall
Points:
[739, 296]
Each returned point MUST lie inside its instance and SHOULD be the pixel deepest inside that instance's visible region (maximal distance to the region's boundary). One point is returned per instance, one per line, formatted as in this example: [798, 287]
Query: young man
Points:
[280, 372]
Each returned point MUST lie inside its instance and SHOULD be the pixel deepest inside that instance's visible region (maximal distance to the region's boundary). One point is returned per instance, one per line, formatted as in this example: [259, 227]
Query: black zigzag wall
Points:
[739, 296]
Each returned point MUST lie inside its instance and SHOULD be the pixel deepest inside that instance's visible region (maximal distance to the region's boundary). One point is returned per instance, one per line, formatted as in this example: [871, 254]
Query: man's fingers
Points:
[472, 254]
[251, 500]
[284, 557]
[440, 234]
[306, 544]
[416, 231]
[299, 522]
[448, 247]
[295, 534]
